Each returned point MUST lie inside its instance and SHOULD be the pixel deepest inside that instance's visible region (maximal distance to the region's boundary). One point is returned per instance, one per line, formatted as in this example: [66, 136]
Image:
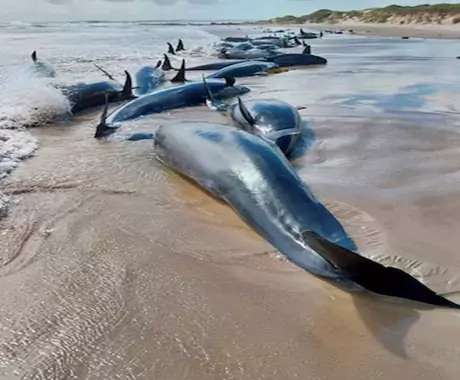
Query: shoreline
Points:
[383, 30]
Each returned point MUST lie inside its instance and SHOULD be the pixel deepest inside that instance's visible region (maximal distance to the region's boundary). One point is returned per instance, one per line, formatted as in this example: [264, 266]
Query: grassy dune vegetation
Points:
[394, 14]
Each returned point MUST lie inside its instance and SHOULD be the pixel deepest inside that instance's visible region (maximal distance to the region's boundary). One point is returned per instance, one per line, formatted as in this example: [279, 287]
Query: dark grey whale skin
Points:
[253, 177]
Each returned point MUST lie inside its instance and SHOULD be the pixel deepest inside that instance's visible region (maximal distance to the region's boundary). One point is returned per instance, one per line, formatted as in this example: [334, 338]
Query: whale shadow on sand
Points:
[388, 322]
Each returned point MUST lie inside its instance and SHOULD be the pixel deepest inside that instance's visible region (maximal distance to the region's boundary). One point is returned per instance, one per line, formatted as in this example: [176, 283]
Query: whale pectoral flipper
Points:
[211, 102]
[275, 135]
[104, 72]
[245, 112]
[141, 136]
[375, 277]
[180, 76]
[102, 128]
[158, 64]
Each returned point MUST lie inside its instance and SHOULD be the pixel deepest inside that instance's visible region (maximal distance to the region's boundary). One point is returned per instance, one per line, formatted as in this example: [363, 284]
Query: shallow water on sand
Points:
[113, 267]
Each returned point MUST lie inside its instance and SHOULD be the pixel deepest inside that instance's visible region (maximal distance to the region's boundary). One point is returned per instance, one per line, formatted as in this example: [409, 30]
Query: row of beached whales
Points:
[252, 61]
[248, 165]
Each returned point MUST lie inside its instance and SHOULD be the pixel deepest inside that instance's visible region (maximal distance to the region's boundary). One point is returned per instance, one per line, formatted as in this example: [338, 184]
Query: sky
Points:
[70, 10]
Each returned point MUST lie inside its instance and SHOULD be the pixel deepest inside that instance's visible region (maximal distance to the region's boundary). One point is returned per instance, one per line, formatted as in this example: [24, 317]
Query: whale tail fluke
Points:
[127, 92]
[34, 56]
[167, 63]
[372, 276]
[180, 76]
[171, 49]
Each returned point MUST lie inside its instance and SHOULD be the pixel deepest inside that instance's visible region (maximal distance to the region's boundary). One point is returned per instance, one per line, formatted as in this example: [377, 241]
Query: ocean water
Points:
[72, 48]
[111, 267]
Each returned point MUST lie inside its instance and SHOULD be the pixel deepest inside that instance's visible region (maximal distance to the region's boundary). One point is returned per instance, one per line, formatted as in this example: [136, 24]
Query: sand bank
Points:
[388, 30]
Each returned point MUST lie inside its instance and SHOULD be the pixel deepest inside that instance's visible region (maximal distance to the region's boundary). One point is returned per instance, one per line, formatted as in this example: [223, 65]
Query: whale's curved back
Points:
[255, 179]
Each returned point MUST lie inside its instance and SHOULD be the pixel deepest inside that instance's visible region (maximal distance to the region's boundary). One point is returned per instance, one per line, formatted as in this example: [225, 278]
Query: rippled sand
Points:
[115, 268]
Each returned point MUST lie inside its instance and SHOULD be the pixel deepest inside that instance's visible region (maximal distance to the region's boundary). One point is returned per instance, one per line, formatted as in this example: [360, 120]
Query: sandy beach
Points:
[385, 30]
[113, 267]
[115, 277]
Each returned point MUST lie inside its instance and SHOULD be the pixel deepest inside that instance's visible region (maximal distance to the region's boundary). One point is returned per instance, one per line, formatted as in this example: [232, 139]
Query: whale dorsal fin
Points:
[34, 56]
[303, 43]
[180, 76]
[127, 92]
[180, 45]
[301, 31]
[375, 277]
[245, 112]
[171, 49]
[230, 81]
[167, 63]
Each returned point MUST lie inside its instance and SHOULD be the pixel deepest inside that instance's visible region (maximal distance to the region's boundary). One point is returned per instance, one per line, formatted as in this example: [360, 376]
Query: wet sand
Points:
[115, 268]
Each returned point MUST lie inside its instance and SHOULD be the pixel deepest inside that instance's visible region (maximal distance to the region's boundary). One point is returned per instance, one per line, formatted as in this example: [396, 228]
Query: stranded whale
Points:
[251, 175]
